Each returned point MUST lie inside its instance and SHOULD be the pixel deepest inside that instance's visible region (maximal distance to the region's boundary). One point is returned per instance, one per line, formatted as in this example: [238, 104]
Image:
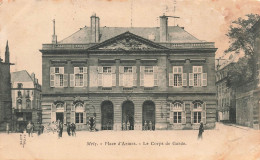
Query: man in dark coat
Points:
[68, 128]
[73, 129]
[60, 129]
[201, 130]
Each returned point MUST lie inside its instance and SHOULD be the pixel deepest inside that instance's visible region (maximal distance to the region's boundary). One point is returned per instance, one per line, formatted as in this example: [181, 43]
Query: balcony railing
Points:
[168, 45]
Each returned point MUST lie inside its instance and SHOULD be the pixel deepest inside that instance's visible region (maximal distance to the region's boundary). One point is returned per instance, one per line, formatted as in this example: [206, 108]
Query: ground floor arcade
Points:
[131, 112]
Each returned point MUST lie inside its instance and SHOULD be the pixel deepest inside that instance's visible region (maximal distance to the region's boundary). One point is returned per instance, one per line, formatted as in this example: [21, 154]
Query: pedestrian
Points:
[150, 125]
[60, 128]
[145, 125]
[68, 128]
[29, 129]
[128, 125]
[124, 126]
[7, 128]
[201, 130]
[73, 129]
[42, 128]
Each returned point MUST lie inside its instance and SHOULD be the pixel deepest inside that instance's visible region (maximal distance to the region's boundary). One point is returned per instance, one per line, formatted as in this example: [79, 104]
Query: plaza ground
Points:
[224, 142]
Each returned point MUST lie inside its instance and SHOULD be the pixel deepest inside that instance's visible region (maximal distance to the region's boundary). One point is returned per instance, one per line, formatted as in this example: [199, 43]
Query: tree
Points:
[241, 35]
[241, 38]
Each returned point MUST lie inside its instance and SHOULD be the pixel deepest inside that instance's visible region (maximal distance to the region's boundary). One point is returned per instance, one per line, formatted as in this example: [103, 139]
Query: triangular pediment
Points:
[127, 42]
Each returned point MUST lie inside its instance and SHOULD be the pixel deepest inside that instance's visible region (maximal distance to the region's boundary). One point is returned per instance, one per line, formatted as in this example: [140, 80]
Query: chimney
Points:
[54, 37]
[163, 28]
[7, 54]
[95, 28]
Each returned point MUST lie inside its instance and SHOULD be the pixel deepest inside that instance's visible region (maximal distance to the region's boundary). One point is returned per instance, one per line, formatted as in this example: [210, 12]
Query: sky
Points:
[27, 24]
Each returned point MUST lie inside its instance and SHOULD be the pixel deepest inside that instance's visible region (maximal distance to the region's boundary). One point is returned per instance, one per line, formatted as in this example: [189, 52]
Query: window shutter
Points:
[191, 79]
[204, 79]
[61, 70]
[183, 107]
[113, 79]
[204, 106]
[155, 74]
[85, 76]
[72, 80]
[183, 121]
[134, 79]
[65, 114]
[66, 80]
[113, 69]
[100, 79]
[141, 75]
[121, 75]
[84, 118]
[171, 107]
[191, 112]
[53, 113]
[134, 76]
[72, 114]
[52, 76]
[171, 117]
[76, 70]
[184, 79]
[204, 114]
[171, 79]
[100, 69]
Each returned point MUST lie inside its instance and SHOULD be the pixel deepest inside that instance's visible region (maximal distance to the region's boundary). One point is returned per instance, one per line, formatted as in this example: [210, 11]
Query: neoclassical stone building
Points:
[159, 75]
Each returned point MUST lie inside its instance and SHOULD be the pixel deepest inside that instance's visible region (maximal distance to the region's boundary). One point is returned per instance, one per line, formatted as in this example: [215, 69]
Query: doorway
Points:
[107, 115]
[128, 114]
[148, 115]
[59, 116]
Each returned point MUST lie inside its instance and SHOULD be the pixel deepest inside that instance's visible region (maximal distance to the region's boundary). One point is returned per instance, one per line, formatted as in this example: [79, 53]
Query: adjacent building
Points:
[226, 103]
[120, 76]
[5, 92]
[26, 98]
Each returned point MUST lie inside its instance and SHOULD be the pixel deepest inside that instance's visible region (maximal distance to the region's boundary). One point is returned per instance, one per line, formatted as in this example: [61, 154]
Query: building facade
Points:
[129, 77]
[5, 92]
[226, 103]
[26, 99]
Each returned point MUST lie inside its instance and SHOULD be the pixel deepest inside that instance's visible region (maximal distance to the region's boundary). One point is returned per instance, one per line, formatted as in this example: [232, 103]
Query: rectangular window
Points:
[197, 117]
[197, 71]
[19, 85]
[59, 79]
[177, 80]
[79, 117]
[78, 71]
[106, 69]
[128, 70]
[148, 69]
[176, 117]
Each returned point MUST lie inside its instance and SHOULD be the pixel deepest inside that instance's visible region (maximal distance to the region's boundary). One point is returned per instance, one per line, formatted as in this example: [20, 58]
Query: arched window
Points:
[59, 106]
[176, 112]
[79, 113]
[28, 104]
[197, 105]
[197, 113]
[19, 104]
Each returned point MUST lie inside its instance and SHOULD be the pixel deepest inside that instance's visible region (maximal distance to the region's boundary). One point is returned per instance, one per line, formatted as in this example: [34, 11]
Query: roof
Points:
[176, 34]
[21, 76]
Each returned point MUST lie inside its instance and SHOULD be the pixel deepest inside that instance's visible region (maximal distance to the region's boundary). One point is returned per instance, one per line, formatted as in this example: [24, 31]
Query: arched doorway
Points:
[148, 115]
[107, 115]
[128, 114]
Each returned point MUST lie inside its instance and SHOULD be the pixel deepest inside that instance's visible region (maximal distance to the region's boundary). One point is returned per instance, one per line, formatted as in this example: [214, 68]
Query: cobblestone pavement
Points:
[224, 142]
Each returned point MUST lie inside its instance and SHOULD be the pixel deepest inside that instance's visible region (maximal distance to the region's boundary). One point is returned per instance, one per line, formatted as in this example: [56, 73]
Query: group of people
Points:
[71, 129]
[148, 126]
[127, 126]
